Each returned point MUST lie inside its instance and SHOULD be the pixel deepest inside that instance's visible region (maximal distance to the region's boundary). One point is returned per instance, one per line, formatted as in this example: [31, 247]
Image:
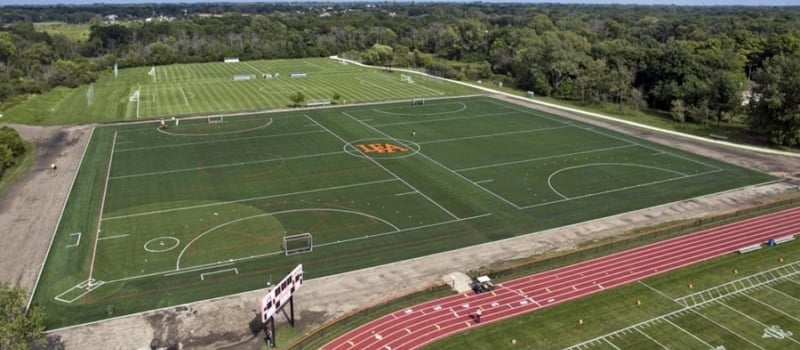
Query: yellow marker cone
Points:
[513, 341]
[781, 259]
[580, 321]
[735, 271]
[690, 286]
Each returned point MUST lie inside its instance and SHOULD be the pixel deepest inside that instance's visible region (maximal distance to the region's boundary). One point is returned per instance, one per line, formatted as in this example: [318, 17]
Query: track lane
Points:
[419, 325]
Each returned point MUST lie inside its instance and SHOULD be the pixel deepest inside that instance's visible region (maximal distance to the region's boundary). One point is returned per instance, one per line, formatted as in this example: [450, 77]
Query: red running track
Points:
[422, 324]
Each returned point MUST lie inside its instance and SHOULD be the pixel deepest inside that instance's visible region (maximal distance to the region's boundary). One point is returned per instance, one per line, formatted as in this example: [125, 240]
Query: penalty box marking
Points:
[84, 287]
[77, 242]
[204, 274]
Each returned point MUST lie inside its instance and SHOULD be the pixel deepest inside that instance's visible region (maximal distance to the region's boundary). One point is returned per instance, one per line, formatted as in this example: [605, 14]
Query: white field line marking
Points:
[60, 216]
[550, 178]
[248, 199]
[582, 112]
[767, 278]
[751, 318]
[186, 100]
[102, 206]
[773, 308]
[90, 285]
[365, 82]
[726, 328]
[137, 102]
[423, 114]
[593, 130]
[196, 269]
[547, 157]
[689, 333]
[225, 165]
[440, 165]
[402, 230]
[484, 181]
[189, 245]
[78, 242]
[203, 275]
[216, 141]
[655, 290]
[114, 237]
[254, 67]
[378, 164]
[216, 133]
[437, 120]
[405, 193]
[657, 153]
[784, 294]
[493, 135]
[651, 339]
[620, 189]
[610, 343]
[280, 252]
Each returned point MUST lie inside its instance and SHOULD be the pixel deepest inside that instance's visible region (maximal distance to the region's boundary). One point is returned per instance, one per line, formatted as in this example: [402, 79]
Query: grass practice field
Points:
[749, 301]
[205, 88]
[159, 217]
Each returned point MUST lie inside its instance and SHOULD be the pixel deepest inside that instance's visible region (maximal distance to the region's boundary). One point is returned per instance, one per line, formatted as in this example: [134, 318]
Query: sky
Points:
[640, 2]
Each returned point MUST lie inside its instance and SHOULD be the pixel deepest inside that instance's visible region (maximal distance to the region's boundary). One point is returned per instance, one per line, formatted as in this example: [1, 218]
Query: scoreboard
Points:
[277, 297]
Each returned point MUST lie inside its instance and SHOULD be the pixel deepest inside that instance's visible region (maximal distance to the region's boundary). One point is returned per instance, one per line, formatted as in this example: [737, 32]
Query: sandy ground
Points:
[31, 209]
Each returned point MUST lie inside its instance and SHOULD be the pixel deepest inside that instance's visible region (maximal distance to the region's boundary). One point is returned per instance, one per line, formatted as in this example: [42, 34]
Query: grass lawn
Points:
[76, 32]
[208, 88]
[159, 217]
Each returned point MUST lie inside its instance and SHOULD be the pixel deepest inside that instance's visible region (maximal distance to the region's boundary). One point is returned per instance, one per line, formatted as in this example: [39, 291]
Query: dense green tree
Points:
[775, 105]
[20, 329]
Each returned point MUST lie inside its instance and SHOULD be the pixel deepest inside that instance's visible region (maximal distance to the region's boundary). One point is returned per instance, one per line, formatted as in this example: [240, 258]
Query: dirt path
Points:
[223, 323]
[30, 208]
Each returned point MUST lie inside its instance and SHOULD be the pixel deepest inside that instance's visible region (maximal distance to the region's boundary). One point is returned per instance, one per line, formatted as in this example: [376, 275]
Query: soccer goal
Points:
[406, 78]
[418, 102]
[215, 119]
[90, 94]
[135, 95]
[299, 243]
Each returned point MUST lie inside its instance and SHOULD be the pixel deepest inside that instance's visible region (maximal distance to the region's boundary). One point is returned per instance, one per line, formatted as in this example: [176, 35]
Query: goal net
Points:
[299, 243]
[214, 119]
[406, 78]
[418, 102]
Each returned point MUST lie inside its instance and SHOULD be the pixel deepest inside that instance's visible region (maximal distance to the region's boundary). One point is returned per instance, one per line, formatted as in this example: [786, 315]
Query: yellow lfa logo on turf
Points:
[380, 148]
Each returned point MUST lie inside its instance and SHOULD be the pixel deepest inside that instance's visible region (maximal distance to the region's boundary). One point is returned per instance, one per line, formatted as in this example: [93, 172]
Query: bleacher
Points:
[750, 248]
[317, 103]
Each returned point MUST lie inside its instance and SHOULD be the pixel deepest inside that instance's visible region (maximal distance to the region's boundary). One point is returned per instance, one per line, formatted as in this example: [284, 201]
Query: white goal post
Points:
[299, 243]
[418, 102]
[214, 119]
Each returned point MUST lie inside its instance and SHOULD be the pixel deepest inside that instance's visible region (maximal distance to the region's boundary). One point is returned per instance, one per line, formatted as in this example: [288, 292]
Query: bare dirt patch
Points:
[224, 323]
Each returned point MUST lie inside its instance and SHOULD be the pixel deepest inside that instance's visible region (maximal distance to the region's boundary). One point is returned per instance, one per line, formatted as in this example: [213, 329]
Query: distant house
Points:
[111, 18]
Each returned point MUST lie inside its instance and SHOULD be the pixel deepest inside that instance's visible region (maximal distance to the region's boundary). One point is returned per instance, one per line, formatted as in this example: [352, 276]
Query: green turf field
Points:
[159, 217]
[204, 88]
[758, 307]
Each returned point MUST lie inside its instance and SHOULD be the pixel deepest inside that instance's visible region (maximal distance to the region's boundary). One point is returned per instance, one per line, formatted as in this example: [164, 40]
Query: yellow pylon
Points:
[580, 321]
[690, 286]
[638, 302]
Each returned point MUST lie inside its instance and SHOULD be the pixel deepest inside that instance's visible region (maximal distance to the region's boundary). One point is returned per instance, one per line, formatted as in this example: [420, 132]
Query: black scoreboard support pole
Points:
[291, 310]
[269, 329]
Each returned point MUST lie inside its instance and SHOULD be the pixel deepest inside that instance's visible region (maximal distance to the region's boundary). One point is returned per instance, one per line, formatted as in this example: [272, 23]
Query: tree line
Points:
[697, 64]
[11, 148]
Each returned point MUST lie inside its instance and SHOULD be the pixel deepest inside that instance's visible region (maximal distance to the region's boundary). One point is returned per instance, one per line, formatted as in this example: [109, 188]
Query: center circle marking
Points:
[160, 246]
[353, 150]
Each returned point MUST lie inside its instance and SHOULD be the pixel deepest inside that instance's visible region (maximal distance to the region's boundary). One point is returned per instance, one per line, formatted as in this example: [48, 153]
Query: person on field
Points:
[478, 316]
